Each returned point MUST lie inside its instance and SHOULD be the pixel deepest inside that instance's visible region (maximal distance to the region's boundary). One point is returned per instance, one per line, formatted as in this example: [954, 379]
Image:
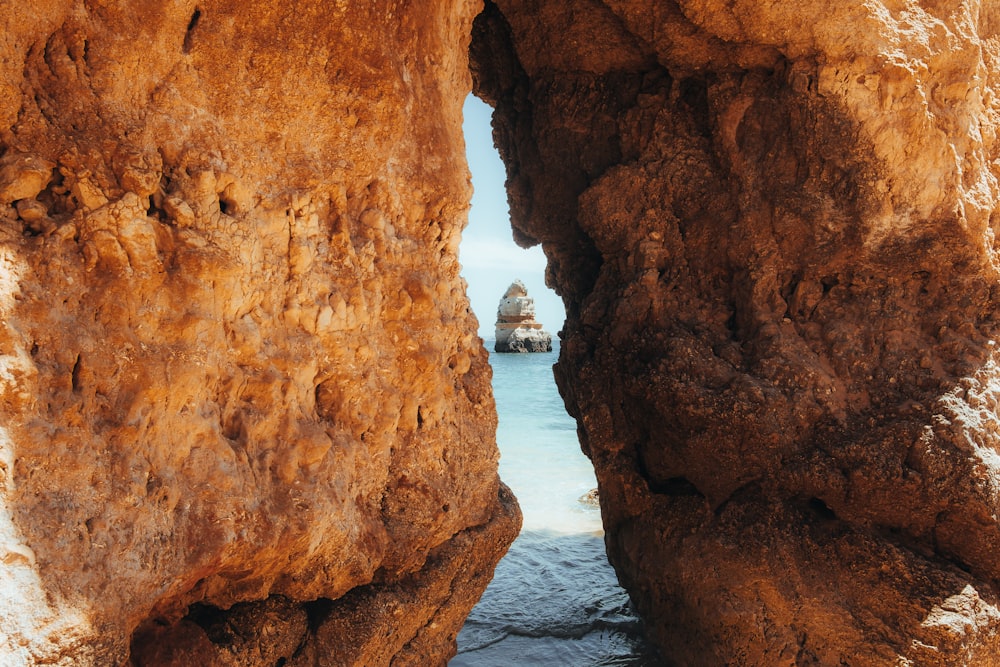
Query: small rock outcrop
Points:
[516, 329]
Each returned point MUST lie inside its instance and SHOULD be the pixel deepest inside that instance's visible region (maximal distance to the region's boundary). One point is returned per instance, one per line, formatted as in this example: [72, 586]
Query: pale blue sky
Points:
[490, 259]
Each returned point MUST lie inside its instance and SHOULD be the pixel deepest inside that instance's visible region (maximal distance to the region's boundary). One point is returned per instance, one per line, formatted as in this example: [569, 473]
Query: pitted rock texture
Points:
[516, 328]
[773, 225]
[225, 231]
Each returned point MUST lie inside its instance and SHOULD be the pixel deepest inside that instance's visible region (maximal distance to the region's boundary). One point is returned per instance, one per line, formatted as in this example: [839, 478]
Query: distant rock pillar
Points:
[516, 328]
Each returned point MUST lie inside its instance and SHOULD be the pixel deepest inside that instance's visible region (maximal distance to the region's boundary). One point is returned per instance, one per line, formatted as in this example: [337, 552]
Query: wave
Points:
[554, 600]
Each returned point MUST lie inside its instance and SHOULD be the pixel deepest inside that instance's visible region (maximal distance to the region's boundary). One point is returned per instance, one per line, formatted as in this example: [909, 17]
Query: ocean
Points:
[554, 599]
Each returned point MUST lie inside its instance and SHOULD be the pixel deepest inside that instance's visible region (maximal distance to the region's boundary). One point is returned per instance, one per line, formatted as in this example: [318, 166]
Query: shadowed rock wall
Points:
[773, 225]
[237, 364]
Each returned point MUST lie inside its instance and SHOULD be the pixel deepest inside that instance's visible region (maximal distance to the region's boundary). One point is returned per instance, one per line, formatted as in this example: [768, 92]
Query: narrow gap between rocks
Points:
[554, 598]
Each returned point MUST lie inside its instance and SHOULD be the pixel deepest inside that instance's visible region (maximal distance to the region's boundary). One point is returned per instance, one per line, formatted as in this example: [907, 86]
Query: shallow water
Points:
[554, 599]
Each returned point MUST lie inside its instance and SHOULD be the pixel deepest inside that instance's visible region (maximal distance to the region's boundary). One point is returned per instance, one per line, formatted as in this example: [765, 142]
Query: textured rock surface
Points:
[516, 328]
[774, 227]
[225, 230]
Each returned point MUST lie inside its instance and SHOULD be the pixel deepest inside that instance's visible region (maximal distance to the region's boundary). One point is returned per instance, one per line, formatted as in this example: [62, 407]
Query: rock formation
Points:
[517, 330]
[774, 226]
[226, 230]
[225, 437]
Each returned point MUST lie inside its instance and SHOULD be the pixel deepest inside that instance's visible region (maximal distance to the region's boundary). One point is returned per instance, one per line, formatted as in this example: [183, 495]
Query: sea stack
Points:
[517, 330]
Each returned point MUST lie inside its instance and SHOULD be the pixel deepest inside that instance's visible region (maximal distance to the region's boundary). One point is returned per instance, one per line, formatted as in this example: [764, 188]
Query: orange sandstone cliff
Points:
[244, 416]
[774, 225]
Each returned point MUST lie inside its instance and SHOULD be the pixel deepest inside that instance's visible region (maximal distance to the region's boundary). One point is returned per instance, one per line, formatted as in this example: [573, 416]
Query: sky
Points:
[490, 259]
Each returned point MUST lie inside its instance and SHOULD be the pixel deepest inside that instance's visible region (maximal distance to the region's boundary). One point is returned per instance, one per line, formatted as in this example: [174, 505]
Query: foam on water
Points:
[554, 599]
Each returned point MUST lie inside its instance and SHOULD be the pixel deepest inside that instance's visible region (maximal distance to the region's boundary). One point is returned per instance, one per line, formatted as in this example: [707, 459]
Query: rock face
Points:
[517, 330]
[226, 229]
[226, 438]
[774, 226]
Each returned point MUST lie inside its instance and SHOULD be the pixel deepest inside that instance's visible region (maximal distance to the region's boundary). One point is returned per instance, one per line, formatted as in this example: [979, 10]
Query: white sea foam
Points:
[554, 599]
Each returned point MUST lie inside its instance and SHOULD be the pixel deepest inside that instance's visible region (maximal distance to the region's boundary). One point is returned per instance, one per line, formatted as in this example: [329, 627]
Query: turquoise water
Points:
[554, 599]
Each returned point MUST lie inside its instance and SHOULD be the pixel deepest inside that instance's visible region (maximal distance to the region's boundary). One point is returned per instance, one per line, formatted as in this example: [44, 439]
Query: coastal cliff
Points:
[245, 418]
[773, 225]
[225, 435]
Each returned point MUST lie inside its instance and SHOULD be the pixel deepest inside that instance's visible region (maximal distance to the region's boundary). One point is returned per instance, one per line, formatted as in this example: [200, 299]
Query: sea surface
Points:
[554, 599]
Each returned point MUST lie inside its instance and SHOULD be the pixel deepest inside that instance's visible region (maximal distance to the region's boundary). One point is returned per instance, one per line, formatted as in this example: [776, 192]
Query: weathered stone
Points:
[23, 176]
[227, 229]
[516, 328]
[222, 420]
[773, 225]
[377, 624]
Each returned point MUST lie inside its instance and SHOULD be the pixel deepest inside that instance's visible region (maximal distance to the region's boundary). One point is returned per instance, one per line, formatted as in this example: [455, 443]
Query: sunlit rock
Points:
[244, 415]
[773, 225]
[516, 328]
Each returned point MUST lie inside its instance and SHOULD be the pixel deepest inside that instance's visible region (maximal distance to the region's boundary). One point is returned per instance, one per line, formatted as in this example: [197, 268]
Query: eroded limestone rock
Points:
[23, 176]
[516, 328]
[774, 228]
[225, 230]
